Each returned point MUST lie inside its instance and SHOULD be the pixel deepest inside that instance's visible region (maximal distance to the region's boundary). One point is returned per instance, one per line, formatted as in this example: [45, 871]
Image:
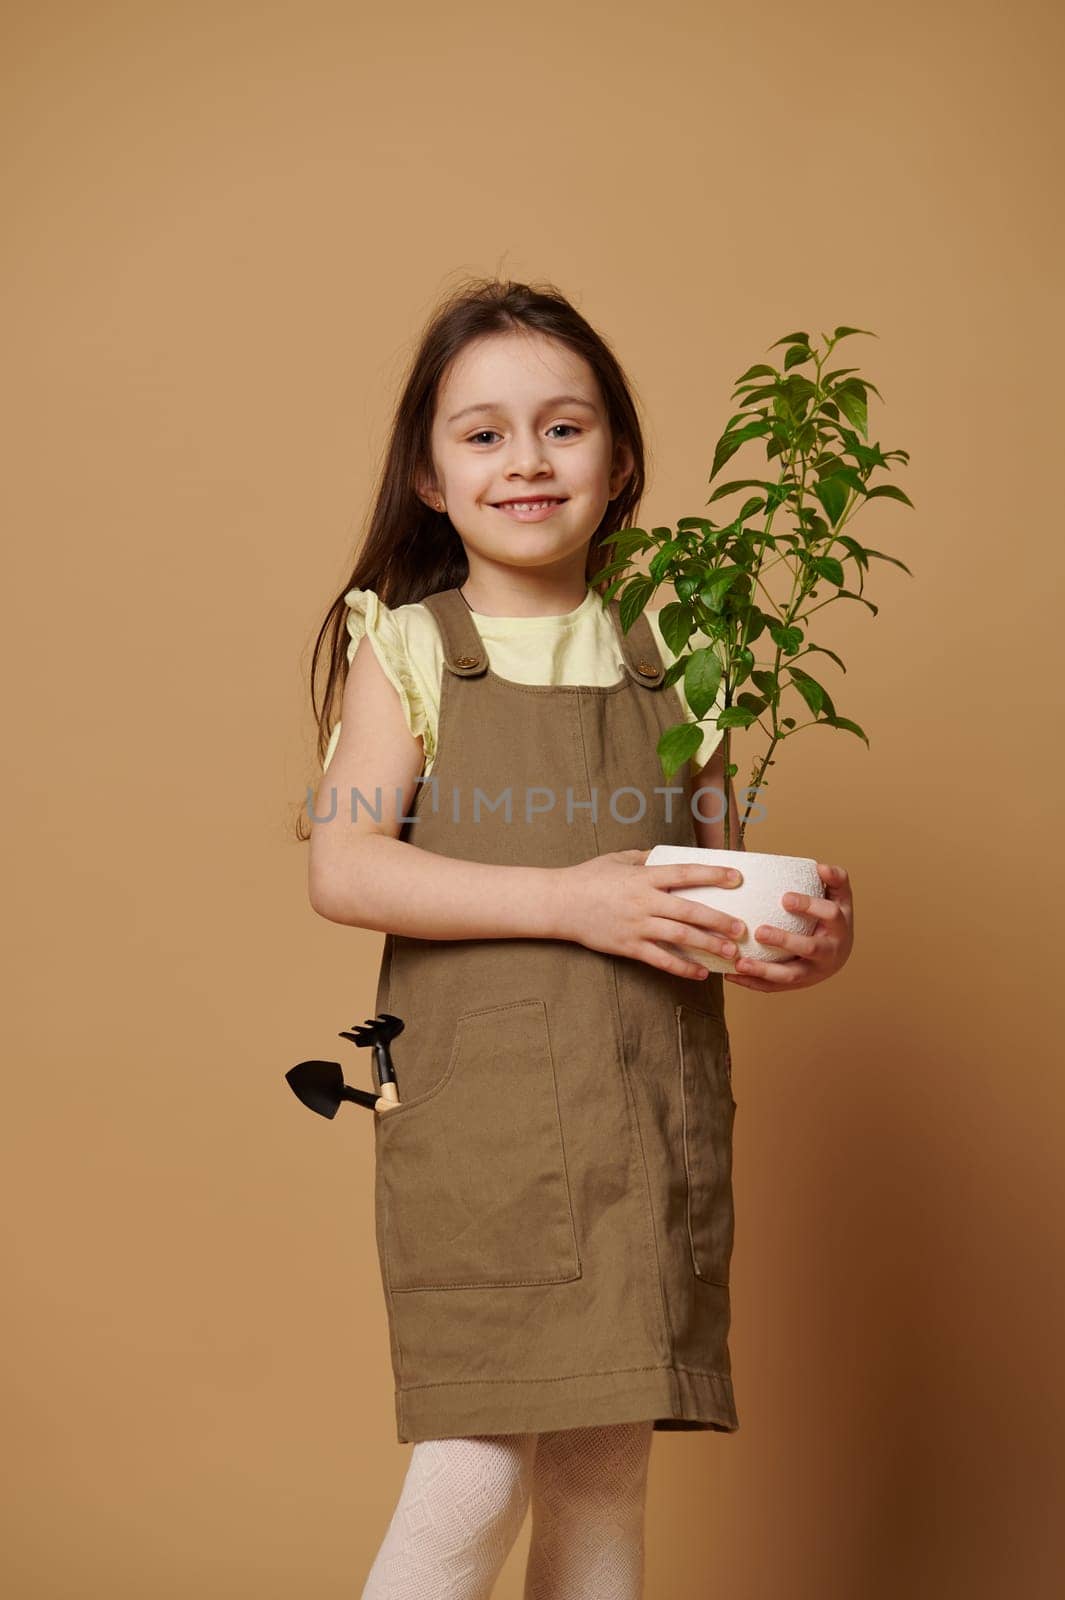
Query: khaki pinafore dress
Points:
[553, 1196]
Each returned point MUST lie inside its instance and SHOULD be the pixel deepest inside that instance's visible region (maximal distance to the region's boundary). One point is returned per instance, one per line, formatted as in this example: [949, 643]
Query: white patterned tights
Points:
[464, 1500]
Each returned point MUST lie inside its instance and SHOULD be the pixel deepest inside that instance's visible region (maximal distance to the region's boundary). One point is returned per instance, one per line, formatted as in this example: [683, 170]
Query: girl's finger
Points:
[777, 974]
[800, 944]
[677, 908]
[809, 905]
[687, 875]
[745, 982]
[655, 956]
[698, 937]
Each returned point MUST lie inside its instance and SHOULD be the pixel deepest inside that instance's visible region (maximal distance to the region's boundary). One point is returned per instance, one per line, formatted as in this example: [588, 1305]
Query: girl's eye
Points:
[481, 432]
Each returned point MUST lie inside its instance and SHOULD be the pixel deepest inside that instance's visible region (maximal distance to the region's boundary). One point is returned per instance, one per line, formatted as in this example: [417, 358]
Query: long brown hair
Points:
[410, 550]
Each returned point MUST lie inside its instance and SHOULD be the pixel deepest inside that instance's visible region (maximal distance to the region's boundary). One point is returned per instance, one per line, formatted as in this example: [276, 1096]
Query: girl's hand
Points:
[616, 904]
[817, 955]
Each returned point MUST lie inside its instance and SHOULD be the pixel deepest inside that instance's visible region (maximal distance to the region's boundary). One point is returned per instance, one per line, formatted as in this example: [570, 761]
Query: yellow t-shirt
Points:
[579, 647]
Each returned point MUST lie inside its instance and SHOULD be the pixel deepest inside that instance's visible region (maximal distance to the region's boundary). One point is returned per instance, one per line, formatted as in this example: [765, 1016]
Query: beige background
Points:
[226, 224]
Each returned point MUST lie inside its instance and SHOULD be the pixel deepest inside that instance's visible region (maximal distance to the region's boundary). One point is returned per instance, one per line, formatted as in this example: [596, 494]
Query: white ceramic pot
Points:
[757, 900]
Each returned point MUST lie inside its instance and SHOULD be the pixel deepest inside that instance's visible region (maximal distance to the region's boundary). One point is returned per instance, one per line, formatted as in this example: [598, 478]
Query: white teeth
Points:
[530, 505]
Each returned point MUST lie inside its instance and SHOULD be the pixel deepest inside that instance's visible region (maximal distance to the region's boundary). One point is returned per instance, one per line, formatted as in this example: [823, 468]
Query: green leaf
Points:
[729, 443]
[826, 652]
[743, 664]
[811, 691]
[675, 622]
[727, 446]
[788, 639]
[717, 585]
[843, 333]
[702, 678]
[893, 492]
[850, 397]
[880, 556]
[662, 559]
[677, 745]
[754, 622]
[611, 569]
[633, 601]
[611, 590]
[735, 717]
[759, 371]
[845, 594]
[779, 493]
[856, 550]
[832, 495]
[829, 568]
[767, 392]
[797, 355]
[740, 483]
[836, 467]
[737, 416]
[845, 723]
[626, 540]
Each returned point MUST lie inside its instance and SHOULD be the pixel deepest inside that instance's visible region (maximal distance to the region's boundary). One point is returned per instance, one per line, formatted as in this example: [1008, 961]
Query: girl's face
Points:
[520, 416]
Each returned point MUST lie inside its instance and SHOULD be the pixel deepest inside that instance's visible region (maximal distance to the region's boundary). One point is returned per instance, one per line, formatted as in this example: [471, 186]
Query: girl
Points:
[553, 1193]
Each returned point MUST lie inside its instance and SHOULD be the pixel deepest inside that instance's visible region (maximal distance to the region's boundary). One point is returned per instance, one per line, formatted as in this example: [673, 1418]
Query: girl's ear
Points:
[426, 492]
[621, 471]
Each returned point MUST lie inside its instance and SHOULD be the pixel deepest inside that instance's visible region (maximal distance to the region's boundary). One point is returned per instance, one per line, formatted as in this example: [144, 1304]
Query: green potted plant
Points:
[750, 587]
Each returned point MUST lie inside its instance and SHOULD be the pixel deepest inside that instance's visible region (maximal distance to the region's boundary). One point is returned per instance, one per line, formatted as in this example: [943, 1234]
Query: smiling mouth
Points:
[540, 500]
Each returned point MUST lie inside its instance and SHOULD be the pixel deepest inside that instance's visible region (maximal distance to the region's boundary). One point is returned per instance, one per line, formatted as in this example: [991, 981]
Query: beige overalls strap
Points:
[464, 653]
[466, 656]
[638, 649]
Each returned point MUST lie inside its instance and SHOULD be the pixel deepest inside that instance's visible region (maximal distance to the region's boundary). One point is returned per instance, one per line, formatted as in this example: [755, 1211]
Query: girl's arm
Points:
[813, 957]
[362, 874]
[710, 835]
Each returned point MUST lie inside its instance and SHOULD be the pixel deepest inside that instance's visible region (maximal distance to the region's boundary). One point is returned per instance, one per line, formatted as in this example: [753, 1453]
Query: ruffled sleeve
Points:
[367, 614]
[712, 736]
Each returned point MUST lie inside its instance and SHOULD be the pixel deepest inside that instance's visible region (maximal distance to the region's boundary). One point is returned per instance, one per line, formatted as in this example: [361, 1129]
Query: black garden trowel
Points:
[320, 1084]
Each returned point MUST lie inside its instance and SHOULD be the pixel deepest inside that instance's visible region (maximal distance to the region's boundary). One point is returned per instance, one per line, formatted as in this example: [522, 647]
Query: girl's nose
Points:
[526, 456]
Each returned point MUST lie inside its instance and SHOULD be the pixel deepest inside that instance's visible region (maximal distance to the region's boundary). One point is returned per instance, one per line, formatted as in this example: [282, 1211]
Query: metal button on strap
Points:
[646, 668]
[467, 661]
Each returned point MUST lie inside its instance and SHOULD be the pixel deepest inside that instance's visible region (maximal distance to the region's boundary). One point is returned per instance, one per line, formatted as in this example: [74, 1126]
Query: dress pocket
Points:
[709, 1114]
[472, 1186]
